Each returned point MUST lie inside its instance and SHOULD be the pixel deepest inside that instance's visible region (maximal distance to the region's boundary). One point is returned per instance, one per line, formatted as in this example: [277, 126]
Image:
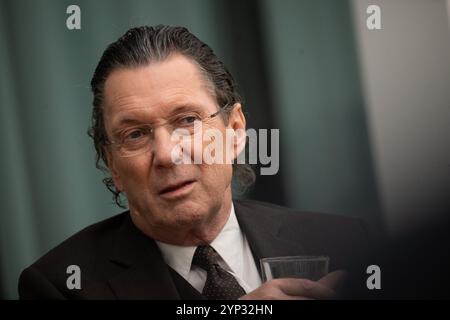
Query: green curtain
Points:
[320, 107]
[50, 188]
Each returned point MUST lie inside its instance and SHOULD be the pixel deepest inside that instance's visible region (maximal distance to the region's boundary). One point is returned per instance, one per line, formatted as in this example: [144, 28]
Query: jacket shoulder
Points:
[336, 235]
[318, 218]
[88, 249]
[90, 239]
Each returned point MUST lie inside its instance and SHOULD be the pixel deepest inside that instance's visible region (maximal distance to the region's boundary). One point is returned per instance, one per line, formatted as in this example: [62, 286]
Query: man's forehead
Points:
[138, 114]
[176, 81]
[176, 72]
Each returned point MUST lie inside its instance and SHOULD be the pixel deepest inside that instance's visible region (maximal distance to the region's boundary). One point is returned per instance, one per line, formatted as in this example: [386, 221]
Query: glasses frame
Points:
[227, 108]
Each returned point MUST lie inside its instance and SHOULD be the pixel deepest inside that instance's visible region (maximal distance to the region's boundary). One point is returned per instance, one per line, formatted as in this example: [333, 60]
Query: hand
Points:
[298, 289]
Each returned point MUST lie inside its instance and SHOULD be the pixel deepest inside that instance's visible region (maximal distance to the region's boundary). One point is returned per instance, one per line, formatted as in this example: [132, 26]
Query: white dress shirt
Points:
[235, 257]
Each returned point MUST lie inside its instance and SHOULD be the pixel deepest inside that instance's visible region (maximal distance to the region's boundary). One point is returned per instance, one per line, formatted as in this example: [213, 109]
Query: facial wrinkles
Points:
[135, 93]
[140, 109]
[150, 95]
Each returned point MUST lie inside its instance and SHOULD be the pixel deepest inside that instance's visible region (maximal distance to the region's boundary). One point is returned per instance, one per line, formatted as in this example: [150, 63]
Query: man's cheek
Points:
[132, 178]
[213, 176]
[134, 167]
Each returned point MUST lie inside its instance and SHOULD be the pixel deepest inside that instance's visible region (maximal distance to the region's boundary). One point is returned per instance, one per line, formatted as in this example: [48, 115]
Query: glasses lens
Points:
[138, 140]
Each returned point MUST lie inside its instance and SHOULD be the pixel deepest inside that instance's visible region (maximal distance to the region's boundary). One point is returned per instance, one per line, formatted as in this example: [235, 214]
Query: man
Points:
[183, 236]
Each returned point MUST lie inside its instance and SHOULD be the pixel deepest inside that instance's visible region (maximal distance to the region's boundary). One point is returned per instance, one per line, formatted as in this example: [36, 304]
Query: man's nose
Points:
[162, 147]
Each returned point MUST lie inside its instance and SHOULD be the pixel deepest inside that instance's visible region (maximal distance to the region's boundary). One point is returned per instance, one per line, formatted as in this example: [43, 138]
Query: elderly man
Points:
[184, 237]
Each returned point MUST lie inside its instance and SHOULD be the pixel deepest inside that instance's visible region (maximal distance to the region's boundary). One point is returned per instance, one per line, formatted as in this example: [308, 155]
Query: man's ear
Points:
[237, 122]
[112, 168]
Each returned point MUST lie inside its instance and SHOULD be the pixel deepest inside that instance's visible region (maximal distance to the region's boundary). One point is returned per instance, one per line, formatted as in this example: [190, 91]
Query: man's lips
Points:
[173, 188]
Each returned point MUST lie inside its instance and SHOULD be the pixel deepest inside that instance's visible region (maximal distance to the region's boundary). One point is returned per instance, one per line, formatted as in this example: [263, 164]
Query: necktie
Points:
[220, 285]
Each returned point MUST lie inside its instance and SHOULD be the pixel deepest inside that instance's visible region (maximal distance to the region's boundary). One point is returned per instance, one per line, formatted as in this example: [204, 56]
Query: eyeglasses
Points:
[135, 140]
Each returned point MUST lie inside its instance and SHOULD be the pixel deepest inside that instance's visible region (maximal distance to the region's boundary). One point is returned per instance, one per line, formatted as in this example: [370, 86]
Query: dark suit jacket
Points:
[118, 261]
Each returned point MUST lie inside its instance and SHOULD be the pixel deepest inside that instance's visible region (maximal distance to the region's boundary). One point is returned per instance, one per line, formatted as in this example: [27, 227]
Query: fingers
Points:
[298, 289]
[268, 291]
[304, 288]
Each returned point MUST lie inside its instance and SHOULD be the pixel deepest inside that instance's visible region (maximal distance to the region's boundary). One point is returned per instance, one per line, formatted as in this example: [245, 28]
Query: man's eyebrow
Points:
[128, 120]
[133, 117]
[184, 107]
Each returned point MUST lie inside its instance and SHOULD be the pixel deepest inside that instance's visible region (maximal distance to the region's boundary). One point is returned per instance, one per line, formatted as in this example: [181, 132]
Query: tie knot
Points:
[205, 257]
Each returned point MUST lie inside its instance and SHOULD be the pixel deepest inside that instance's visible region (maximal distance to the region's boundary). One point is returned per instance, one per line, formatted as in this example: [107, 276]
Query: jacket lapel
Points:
[144, 274]
[265, 232]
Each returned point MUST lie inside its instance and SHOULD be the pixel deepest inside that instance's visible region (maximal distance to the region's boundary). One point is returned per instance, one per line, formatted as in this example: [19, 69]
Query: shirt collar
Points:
[228, 244]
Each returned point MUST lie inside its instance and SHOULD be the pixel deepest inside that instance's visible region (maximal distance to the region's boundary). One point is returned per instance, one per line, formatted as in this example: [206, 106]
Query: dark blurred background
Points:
[363, 114]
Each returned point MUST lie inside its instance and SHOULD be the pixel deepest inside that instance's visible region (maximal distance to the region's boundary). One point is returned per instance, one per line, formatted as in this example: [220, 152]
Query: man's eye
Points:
[188, 120]
[135, 135]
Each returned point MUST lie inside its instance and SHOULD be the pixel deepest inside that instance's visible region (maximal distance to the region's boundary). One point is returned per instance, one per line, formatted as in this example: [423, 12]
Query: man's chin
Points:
[188, 215]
